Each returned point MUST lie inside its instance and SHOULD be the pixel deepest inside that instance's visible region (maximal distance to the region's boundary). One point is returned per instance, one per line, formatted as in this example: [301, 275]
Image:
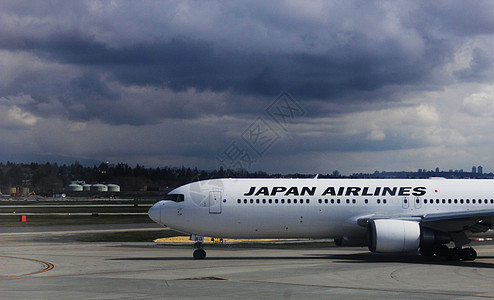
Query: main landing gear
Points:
[199, 253]
[459, 253]
[454, 254]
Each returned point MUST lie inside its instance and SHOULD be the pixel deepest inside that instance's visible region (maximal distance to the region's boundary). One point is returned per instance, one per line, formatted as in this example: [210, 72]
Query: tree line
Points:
[53, 178]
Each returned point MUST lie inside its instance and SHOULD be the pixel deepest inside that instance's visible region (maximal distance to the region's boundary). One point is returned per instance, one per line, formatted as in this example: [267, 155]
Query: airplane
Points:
[386, 215]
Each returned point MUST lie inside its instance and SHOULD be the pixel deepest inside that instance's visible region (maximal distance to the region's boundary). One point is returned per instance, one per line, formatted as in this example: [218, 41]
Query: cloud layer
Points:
[385, 85]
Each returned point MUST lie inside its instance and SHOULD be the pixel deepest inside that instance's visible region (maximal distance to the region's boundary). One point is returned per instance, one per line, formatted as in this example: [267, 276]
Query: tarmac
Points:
[47, 268]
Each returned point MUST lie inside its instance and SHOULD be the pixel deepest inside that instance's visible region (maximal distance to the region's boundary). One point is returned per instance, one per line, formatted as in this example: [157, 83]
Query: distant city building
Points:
[474, 169]
[437, 170]
[480, 170]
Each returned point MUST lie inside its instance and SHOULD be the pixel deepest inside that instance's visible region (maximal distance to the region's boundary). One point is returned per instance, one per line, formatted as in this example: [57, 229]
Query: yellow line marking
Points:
[48, 267]
[9, 236]
[207, 240]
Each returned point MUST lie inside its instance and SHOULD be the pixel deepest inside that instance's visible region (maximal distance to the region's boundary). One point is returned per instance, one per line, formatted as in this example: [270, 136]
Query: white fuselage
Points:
[312, 208]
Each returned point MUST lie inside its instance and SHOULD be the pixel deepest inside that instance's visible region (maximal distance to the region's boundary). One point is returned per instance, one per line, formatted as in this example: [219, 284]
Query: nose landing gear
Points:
[199, 253]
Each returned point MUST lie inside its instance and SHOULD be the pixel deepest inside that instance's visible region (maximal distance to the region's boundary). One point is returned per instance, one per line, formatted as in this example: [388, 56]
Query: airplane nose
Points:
[155, 213]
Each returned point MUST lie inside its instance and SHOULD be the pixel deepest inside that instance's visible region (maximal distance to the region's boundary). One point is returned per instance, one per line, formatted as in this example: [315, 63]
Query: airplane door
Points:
[418, 204]
[215, 202]
[405, 203]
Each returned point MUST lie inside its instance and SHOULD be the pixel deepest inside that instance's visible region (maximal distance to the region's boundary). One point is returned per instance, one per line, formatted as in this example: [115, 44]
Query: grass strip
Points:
[72, 220]
[130, 236]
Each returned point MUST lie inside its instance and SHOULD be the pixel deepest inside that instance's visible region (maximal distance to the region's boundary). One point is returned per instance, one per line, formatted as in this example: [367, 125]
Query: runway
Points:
[73, 270]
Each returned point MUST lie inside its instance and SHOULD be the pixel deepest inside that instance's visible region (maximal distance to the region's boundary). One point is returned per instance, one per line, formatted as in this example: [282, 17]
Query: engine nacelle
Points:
[388, 235]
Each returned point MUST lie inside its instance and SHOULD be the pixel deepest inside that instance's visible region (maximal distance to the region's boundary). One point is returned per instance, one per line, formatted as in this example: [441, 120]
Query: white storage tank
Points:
[86, 187]
[99, 188]
[113, 188]
[74, 187]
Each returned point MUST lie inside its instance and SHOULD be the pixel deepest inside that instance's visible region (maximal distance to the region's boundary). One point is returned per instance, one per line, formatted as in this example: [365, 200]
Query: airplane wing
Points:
[473, 220]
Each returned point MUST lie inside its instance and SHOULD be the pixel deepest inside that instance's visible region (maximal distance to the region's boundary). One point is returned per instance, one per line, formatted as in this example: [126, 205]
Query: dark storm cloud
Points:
[458, 18]
[350, 64]
[361, 63]
[193, 72]
[179, 64]
[323, 64]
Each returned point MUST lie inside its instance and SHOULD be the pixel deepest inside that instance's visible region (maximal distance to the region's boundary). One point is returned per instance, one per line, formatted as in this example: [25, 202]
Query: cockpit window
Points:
[174, 197]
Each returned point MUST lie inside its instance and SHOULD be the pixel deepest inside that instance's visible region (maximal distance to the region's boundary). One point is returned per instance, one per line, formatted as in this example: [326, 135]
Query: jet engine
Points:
[388, 235]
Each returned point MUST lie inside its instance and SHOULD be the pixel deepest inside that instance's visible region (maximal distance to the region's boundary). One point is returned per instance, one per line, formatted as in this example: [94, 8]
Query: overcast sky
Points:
[279, 86]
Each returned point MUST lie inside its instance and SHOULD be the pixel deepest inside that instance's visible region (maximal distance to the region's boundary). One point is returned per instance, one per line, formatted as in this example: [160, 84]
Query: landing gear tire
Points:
[441, 250]
[454, 254]
[468, 254]
[199, 254]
